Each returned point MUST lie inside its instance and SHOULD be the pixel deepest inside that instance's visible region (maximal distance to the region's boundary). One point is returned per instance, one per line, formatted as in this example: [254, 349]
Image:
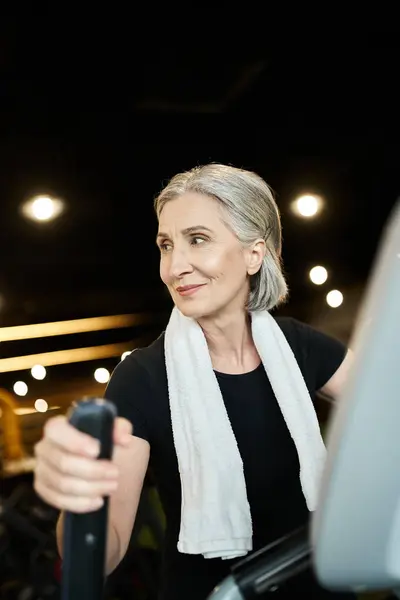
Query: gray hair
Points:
[252, 214]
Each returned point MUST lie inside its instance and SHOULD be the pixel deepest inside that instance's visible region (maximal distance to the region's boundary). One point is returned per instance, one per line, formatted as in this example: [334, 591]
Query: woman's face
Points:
[203, 264]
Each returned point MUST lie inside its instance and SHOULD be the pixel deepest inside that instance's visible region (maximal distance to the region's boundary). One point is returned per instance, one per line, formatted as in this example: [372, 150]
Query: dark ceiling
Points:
[103, 121]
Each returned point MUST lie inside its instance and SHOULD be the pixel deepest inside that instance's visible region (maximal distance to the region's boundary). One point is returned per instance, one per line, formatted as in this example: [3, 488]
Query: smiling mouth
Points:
[187, 290]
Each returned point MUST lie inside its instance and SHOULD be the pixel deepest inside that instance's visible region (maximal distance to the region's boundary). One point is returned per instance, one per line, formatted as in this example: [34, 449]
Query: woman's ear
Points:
[255, 256]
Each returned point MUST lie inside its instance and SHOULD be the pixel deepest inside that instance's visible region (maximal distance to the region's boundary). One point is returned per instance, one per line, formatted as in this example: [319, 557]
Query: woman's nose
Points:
[180, 263]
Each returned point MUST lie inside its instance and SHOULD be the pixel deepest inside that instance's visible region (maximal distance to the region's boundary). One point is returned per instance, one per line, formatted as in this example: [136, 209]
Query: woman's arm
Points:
[334, 386]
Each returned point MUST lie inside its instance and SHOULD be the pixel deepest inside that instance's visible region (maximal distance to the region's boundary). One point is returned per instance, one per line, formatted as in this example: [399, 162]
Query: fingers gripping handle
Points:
[85, 535]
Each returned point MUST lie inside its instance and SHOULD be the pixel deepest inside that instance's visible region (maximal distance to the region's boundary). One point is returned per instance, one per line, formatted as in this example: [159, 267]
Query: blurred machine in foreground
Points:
[356, 530]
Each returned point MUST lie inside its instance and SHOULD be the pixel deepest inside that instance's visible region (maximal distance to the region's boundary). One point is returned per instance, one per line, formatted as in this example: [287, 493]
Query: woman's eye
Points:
[165, 247]
[196, 240]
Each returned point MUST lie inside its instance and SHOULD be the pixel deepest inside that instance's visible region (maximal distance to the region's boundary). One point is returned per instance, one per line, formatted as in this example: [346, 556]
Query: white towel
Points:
[215, 513]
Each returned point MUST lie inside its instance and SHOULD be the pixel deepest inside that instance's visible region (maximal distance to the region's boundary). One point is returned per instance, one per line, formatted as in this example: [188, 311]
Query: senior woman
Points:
[221, 404]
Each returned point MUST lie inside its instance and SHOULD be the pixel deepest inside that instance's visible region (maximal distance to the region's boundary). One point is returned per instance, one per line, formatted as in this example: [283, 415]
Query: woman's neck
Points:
[230, 342]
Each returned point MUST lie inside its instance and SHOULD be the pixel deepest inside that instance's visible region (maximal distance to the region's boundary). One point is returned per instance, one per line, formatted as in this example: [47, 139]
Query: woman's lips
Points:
[188, 290]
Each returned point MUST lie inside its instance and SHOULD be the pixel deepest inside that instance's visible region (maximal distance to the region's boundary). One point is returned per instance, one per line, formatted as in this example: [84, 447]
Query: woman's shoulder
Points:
[298, 334]
[149, 360]
[317, 351]
[292, 328]
[152, 355]
[299, 331]
[136, 386]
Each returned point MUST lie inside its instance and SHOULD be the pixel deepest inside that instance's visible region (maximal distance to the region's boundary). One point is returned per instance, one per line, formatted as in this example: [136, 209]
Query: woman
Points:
[220, 244]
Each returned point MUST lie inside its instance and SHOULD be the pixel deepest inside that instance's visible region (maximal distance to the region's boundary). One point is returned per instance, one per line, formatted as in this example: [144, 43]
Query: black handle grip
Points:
[266, 570]
[85, 535]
